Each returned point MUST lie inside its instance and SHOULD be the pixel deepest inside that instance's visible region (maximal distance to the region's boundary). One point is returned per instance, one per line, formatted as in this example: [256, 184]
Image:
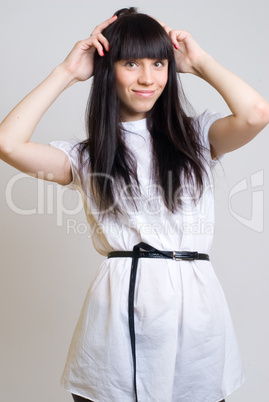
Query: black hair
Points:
[178, 160]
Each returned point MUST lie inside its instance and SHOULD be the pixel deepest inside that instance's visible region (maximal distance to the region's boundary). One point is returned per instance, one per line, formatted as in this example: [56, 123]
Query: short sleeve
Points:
[203, 123]
[70, 148]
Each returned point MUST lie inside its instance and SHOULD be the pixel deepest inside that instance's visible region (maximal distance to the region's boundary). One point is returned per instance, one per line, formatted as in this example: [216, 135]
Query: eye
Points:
[159, 63]
[130, 64]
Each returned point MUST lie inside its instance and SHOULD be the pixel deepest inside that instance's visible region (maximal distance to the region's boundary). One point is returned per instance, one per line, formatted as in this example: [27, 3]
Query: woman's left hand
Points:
[250, 111]
[188, 53]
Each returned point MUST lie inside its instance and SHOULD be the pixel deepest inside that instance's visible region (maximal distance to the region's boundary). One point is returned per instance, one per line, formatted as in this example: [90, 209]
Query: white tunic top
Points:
[186, 349]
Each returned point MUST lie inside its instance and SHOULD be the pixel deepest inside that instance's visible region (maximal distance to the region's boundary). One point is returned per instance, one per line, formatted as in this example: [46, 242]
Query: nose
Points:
[145, 77]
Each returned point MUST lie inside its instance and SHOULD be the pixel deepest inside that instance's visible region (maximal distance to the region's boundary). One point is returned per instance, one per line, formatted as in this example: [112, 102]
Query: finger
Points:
[177, 36]
[98, 45]
[99, 28]
[173, 36]
[96, 40]
[97, 36]
[101, 38]
[180, 35]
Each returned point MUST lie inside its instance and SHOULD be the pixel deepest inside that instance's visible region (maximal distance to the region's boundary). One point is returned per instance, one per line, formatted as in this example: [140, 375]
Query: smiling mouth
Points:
[144, 93]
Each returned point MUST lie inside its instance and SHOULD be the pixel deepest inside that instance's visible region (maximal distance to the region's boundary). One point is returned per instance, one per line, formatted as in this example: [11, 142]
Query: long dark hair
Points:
[177, 151]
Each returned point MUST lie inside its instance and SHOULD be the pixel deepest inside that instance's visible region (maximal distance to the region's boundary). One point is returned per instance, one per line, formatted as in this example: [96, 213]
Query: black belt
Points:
[150, 252]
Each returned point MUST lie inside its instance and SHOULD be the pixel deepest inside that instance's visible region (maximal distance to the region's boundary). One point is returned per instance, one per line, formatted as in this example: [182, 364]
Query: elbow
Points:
[260, 115]
[263, 110]
[5, 148]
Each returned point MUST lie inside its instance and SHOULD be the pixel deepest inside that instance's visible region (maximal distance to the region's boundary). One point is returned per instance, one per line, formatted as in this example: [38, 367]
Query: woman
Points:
[149, 330]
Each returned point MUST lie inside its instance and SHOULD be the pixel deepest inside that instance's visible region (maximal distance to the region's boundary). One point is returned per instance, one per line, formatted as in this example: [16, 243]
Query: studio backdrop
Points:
[47, 258]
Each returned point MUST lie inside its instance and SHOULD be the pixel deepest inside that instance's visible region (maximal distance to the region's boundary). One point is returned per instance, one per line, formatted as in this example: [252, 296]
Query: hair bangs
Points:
[140, 36]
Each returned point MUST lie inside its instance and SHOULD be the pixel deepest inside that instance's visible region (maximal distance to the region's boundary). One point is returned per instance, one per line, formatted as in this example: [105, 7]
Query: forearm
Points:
[18, 127]
[244, 102]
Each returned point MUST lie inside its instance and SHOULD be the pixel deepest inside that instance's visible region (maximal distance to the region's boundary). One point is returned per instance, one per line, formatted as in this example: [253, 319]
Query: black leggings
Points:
[80, 399]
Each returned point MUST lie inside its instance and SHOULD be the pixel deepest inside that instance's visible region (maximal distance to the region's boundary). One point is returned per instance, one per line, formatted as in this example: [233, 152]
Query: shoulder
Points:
[72, 148]
[204, 121]
[202, 124]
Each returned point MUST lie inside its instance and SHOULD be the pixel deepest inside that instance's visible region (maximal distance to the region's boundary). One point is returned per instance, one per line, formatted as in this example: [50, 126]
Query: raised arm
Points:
[250, 112]
[17, 128]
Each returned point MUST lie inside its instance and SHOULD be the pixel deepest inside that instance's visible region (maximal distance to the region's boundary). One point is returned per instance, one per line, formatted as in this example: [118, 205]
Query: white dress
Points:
[186, 349]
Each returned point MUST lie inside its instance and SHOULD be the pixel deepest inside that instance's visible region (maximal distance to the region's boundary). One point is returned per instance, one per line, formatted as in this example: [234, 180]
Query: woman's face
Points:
[139, 84]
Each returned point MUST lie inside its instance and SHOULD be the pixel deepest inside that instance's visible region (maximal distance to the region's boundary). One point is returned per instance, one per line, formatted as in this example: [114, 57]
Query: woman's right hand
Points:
[80, 61]
[16, 147]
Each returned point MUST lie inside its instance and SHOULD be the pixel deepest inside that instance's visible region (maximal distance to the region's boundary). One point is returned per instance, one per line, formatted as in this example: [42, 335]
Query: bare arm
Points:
[18, 127]
[250, 112]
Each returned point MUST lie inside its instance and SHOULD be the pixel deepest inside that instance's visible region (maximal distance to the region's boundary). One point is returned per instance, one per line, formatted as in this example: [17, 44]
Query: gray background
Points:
[45, 267]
